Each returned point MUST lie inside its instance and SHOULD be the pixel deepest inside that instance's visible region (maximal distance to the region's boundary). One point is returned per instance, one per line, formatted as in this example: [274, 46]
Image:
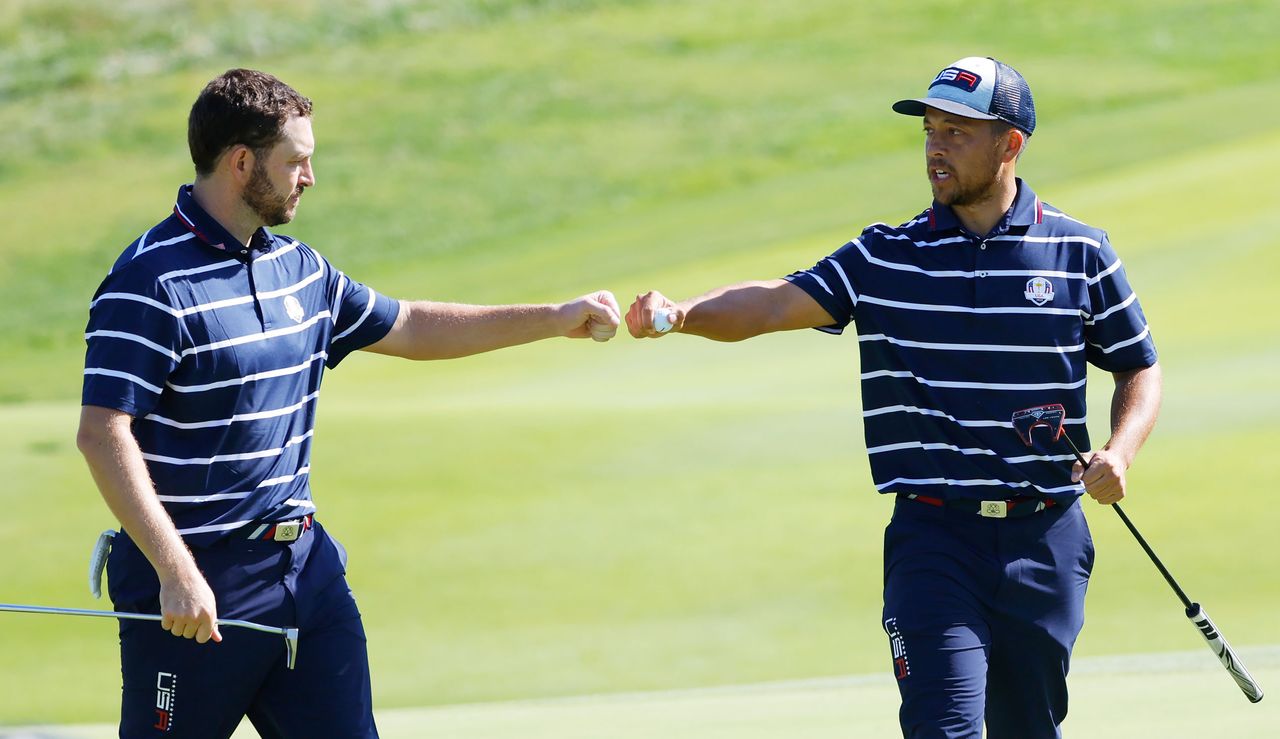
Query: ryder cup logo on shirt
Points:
[293, 308]
[1039, 290]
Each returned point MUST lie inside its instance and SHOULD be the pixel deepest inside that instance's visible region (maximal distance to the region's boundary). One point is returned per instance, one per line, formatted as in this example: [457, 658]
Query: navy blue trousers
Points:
[981, 615]
[174, 687]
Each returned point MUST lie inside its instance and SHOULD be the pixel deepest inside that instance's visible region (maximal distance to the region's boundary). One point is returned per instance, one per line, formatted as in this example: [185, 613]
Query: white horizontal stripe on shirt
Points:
[1118, 307]
[1050, 240]
[243, 299]
[939, 414]
[214, 527]
[267, 374]
[933, 307]
[1020, 348]
[229, 457]
[276, 254]
[203, 498]
[237, 418]
[197, 270]
[104, 334]
[254, 338]
[966, 274]
[929, 447]
[133, 298]
[1040, 458]
[975, 385]
[1122, 344]
[237, 495]
[891, 233]
[157, 244]
[300, 503]
[1114, 266]
[123, 376]
[225, 303]
[975, 483]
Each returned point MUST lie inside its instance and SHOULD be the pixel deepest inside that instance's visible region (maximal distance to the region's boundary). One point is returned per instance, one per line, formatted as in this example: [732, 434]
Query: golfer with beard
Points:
[988, 302]
[206, 346]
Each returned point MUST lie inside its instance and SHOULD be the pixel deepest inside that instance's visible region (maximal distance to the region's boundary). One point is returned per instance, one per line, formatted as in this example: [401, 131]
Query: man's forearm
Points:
[748, 309]
[118, 469]
[449, 330]
[1135, 404]
[430, 330]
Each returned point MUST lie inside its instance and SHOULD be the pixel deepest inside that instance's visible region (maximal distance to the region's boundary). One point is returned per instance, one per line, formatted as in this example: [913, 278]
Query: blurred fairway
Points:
[1119, 697]
[569, 518]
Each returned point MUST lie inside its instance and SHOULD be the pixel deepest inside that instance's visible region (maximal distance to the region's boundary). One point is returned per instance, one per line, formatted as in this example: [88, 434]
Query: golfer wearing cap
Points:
[207, 343]
[987, 302]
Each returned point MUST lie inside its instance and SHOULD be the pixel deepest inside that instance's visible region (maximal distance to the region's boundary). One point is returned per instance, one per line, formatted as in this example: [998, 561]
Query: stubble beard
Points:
[965, 195]
[265, 200]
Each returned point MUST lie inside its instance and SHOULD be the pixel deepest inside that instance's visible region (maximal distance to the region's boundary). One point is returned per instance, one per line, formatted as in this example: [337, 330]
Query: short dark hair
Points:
[240, 106]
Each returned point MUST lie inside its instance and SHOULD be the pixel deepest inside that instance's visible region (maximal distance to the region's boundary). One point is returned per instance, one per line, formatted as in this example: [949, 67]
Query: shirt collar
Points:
[211, 233]
[1027, 210]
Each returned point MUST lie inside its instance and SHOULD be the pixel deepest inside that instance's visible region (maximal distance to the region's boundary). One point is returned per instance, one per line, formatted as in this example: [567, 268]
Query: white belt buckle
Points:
[994, 509]
[288, 530]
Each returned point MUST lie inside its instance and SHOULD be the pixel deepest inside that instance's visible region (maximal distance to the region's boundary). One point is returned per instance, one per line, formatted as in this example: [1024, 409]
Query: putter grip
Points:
[1226, 655]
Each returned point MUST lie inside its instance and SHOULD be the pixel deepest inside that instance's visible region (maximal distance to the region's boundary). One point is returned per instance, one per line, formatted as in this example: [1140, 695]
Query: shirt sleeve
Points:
[361, 316]
[1117, 337]
[832, 282]
[134, 338]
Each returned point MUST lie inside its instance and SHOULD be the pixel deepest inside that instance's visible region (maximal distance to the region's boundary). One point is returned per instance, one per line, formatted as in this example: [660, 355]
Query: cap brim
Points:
[916, 106]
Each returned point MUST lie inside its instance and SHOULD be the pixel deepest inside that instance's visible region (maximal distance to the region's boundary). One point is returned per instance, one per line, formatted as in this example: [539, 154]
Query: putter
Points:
[290, 634]
[1052, 417]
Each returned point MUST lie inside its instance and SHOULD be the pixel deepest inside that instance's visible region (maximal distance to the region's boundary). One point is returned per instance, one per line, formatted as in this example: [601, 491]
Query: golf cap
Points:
[978, 87]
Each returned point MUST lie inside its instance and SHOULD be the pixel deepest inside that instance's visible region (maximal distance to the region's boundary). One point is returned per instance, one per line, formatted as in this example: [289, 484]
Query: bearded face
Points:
[962, 159]
[269, 203]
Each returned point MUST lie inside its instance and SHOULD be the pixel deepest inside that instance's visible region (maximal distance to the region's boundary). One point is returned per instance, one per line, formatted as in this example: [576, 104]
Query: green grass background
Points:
[570, 518]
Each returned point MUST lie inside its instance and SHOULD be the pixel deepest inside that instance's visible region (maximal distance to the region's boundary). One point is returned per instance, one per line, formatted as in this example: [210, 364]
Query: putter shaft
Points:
[1186, 602]
[290, 634]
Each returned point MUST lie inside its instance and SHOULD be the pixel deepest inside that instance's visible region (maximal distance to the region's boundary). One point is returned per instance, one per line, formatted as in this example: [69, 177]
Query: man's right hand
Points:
[188, 608]
[645, 308]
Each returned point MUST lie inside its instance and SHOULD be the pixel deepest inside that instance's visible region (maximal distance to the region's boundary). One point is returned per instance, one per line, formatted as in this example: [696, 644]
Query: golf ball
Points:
[663, 320]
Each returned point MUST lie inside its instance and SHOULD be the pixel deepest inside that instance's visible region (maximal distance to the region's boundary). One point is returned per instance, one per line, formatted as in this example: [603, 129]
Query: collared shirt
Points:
[956, 332]
[217, 351]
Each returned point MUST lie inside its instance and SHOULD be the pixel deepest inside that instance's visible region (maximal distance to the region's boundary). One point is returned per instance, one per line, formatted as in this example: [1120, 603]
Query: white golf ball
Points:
[663, 320]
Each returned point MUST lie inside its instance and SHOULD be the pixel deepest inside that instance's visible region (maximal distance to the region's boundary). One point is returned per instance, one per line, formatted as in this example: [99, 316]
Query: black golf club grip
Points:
[1226, 655]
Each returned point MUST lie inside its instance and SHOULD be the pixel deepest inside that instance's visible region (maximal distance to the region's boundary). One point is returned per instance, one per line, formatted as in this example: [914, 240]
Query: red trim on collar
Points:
[192, 228]
[1039, 211]
[933, 224]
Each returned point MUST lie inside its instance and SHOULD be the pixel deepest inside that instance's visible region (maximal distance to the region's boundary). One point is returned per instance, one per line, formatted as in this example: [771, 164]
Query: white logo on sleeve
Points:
[1039, 290]
[293, 308]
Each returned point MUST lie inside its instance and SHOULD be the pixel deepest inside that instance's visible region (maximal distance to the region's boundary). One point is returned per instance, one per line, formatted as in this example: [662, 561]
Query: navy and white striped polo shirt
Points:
[218, 352]
[957, 332]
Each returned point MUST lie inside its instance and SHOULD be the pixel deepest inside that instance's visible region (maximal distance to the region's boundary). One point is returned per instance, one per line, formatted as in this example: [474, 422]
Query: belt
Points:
[280, 530]
[1007, 508]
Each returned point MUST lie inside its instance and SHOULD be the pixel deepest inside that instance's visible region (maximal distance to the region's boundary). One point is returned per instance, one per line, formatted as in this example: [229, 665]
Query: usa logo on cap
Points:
[956, 77]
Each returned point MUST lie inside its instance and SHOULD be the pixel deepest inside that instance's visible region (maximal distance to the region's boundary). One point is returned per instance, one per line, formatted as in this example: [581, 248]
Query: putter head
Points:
[290, 647]
[1050, 416]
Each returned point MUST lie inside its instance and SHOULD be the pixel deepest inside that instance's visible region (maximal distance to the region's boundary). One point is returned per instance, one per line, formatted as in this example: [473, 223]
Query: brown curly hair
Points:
[240, 106]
